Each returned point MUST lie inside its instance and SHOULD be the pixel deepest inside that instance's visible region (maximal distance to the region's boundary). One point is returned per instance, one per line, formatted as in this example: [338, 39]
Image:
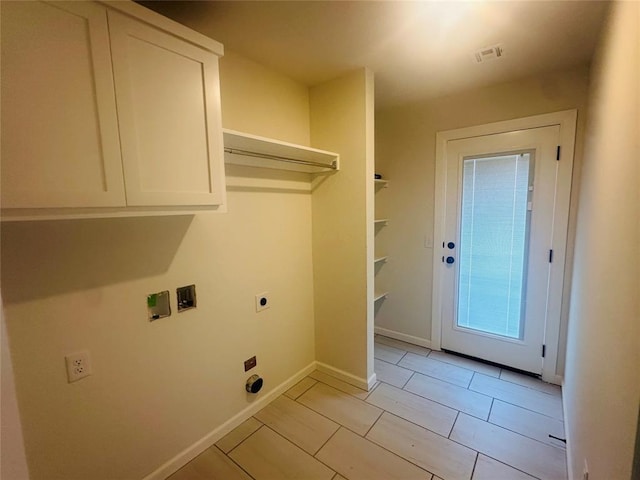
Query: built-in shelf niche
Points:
[379, 261]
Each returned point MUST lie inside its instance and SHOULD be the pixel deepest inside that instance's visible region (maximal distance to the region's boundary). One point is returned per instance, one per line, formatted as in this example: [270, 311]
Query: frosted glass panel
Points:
[493, 244]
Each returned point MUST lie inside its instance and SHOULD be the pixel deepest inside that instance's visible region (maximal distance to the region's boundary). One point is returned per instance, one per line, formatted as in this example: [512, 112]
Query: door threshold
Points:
[493, 364]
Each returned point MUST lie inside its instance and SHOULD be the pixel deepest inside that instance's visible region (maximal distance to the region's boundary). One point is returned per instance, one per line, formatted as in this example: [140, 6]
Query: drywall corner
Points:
[13, 461]
[342, 204]
[601, 387]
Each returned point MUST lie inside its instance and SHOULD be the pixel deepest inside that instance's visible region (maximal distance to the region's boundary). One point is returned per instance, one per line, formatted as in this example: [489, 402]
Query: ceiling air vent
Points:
[488, 53]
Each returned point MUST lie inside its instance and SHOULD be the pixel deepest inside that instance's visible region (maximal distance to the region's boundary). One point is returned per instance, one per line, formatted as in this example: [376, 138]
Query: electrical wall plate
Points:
[186, 297]
[262, 301]
[158, 305]
[78, 366]
[249, 364]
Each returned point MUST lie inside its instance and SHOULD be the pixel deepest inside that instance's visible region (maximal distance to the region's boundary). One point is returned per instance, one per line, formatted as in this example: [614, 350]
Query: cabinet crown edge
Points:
[170, 26]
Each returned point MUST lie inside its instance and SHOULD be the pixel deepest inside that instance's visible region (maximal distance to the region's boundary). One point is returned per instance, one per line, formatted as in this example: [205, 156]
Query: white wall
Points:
[342, 121]
[602, 383]
[405, 155]
[13, 461]
[261, 101]
[159, 387]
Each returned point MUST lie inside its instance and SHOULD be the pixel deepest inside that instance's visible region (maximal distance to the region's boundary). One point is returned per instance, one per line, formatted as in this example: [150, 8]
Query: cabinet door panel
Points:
[169, 114]
[60, 145]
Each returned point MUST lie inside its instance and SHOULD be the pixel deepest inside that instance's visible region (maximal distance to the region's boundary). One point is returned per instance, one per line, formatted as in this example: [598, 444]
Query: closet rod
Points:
[236, 151]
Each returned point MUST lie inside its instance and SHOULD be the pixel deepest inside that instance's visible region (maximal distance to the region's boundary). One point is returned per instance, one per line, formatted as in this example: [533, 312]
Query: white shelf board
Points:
[254, 151]
[379, 296]
[381, 221]
[380, 182]
[380, 259]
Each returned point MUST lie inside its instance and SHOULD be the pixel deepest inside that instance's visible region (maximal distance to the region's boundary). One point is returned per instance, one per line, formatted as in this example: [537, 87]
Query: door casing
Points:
[567, 121]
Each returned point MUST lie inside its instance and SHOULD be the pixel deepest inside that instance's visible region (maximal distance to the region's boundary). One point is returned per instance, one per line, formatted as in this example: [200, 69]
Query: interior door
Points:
[500, 199]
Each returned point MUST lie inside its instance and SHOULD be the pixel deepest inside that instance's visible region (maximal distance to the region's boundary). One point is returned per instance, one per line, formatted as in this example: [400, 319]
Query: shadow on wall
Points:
[242, 178]
[48, 258]
[636, 454]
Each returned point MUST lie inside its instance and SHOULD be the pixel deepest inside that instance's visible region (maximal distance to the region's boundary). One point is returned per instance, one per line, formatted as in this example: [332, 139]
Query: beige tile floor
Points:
[431, 416]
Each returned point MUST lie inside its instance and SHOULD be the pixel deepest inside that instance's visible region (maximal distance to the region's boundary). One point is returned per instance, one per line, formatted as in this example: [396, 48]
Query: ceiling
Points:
[417, 50]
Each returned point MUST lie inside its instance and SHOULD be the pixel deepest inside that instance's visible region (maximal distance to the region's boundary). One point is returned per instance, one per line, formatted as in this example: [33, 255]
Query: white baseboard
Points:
[191, 452]
[421, 342]
[359, 382]
[567, 429]
[373, 379]
[552, 378]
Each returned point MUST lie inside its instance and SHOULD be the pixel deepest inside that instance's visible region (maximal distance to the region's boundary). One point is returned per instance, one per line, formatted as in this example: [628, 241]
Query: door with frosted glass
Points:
[499, 218]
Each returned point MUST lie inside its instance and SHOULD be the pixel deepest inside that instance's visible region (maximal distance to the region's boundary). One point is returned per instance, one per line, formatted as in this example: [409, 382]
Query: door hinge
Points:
[544, 350]
[558, 153]
[550, 256]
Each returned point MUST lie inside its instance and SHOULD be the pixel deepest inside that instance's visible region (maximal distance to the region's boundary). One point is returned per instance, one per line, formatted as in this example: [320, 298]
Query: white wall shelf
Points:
[379, 296]
[380, 259]
[254, 151]
[381, 183]
[382, 222]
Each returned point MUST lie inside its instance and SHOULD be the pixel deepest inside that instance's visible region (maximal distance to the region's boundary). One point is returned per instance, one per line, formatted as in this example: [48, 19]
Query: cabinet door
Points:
[168, 98]
[60, 145]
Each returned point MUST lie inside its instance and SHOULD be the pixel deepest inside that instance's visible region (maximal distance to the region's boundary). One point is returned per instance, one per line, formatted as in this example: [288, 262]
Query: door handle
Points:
[450, 260]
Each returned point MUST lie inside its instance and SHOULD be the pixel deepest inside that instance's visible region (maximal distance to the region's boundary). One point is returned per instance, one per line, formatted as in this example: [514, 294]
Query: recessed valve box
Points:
[158, 305]
[186, 298]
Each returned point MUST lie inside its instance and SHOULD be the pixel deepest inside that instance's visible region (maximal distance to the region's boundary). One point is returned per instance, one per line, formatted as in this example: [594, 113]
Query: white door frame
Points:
[567, 122]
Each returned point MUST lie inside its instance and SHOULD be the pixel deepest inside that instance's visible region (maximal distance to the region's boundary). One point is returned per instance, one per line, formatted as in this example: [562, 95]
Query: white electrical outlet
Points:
[262, 301]
[78, 366]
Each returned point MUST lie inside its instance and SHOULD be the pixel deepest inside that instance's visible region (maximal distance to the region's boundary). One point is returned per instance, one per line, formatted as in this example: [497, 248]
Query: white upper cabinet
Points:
[60, 144]
[169, 113]
[107, 109]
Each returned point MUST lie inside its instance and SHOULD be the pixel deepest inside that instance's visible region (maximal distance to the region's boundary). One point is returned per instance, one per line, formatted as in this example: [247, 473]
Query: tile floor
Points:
[431, 416]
